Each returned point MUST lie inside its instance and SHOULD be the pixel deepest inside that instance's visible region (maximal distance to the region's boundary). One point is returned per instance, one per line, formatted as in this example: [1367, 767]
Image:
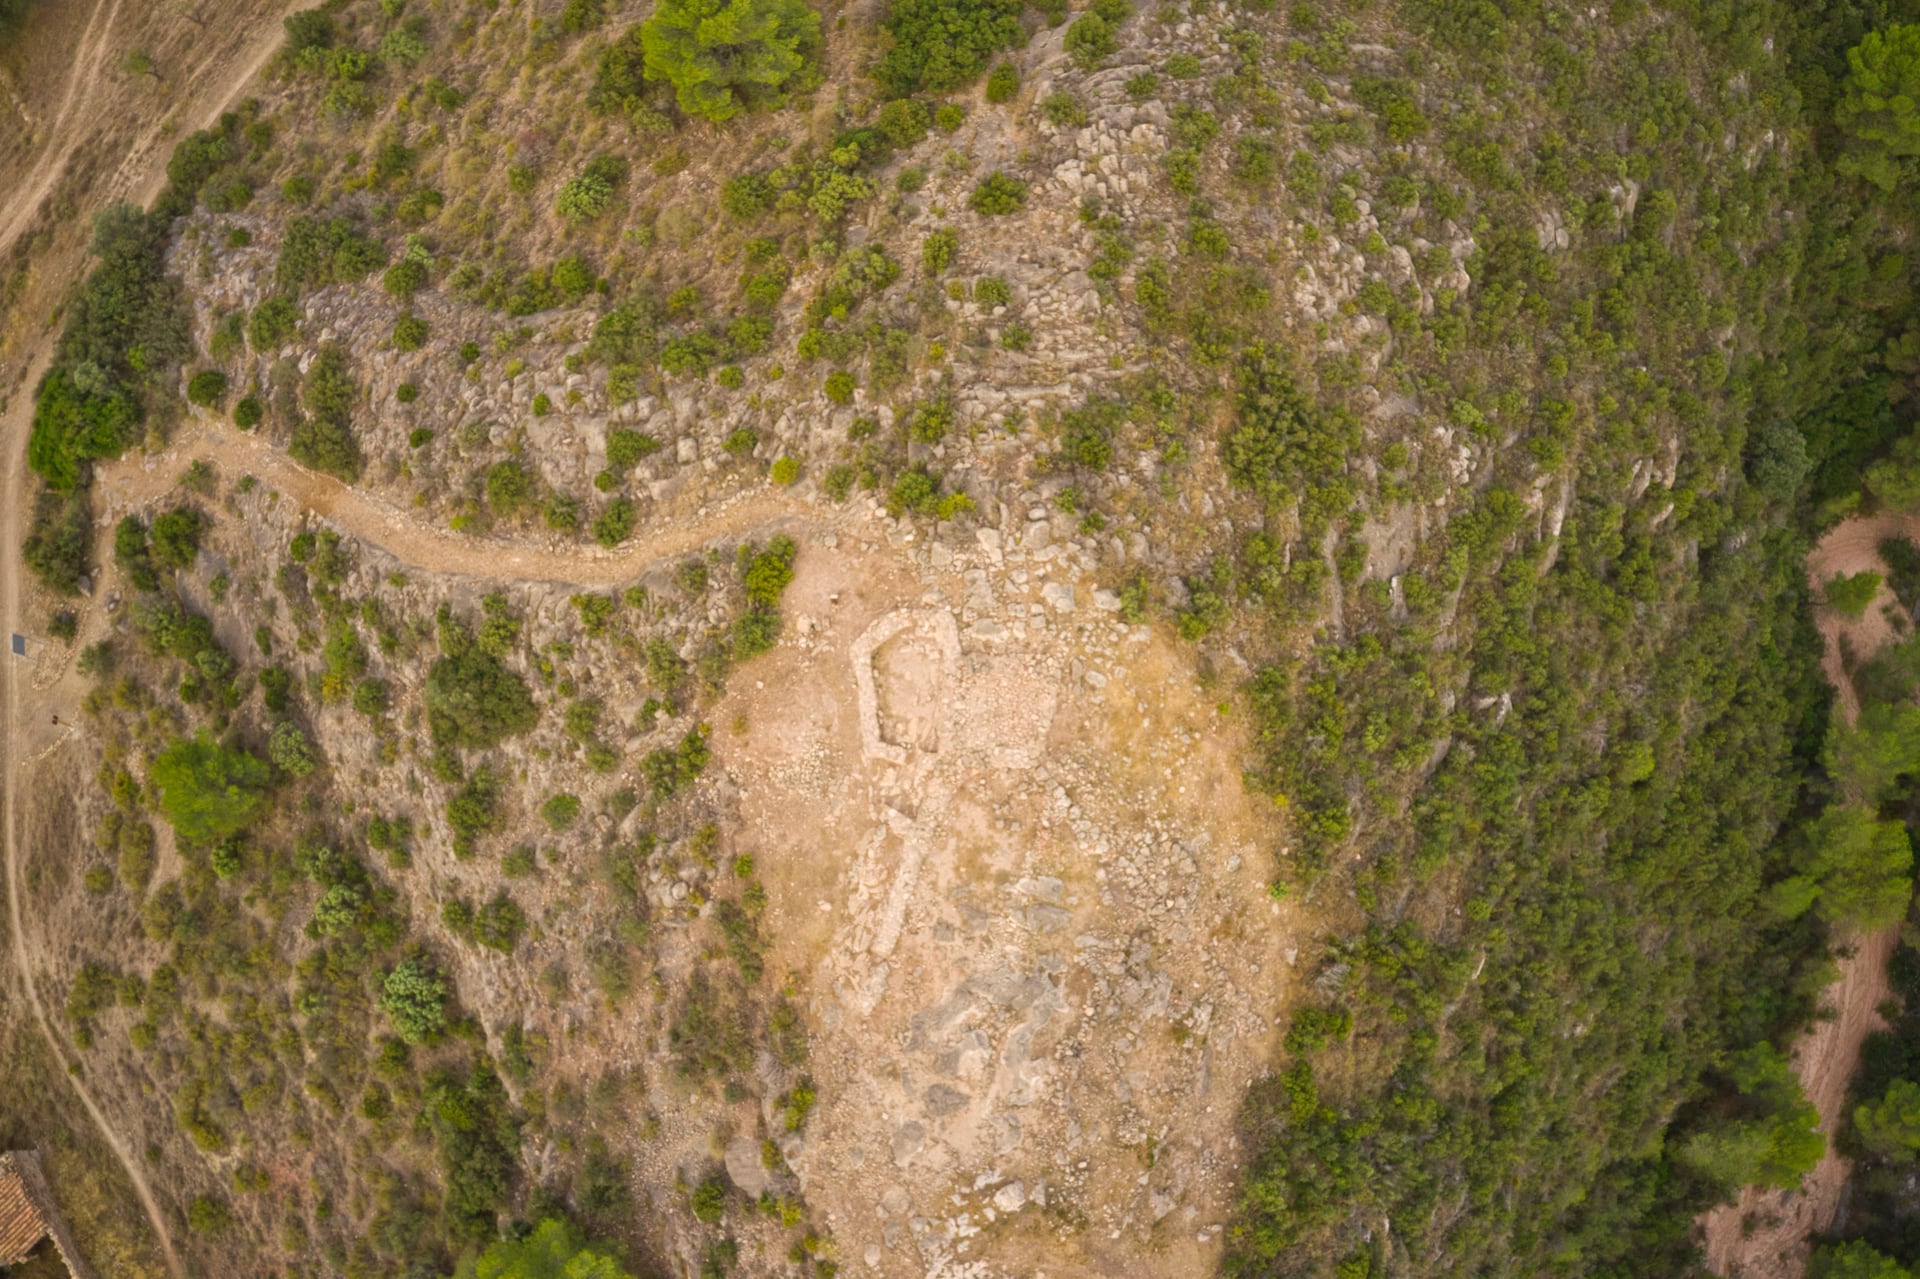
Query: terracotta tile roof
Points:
[21, 1225]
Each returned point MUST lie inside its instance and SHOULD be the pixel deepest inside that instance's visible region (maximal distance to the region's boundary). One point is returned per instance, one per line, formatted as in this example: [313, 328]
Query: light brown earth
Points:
[71, 104]
[1766, 1234]
[1037, 988]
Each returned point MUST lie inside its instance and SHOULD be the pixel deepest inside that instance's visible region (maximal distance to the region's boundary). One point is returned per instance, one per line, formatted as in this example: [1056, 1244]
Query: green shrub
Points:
[473, 811]
[314, 254]
[208, 792]
[947, 117]
[627, 448]
[669, 771]
[405, 278]
[1091, 40]
[1064, 111]
[1851, 594]
[59, 543]
[766, 574]
[916, 490]
[588, 194]
[499, 923]
[839, 386]
[372, 697]
[614, 523]
[208, 1216]
[708, 1200]
[929, 423]
[249, 412]
[175, 537]
[903, 122]
[272, 324]
[747, 195]
[473, 700]
[324, 439]
[785, 471]
[938, 249]
[206, 387]
[724, 56]
[942, 44]
[561, 811]
[409, 333]
[510, 487]
[1003, 84]
[414, 998]
[990, 291]
[1000, 194]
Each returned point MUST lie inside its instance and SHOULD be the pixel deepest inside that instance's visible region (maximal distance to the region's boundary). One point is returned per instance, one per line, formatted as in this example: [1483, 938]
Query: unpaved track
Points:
[142, 174]
[401, 534]
[58, 148]
[1767, 1233]
[15, 744]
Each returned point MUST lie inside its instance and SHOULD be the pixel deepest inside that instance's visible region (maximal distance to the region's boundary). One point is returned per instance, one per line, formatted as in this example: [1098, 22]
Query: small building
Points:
[28, 1217]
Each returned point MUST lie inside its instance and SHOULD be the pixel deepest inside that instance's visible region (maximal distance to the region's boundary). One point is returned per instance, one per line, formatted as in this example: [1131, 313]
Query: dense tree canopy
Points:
[721, 56]
[473, 700]
[555, 1250]
[942, 44]
[1880, 106]
[207, 791]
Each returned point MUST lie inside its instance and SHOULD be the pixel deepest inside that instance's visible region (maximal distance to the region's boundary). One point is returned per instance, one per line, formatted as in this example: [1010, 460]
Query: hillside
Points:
[956, 638]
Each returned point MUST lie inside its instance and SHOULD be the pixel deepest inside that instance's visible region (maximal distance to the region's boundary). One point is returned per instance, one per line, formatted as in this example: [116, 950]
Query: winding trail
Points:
[364, 516]
[58, 148]
[401, 534]
[1767, 1234]
[228, 64]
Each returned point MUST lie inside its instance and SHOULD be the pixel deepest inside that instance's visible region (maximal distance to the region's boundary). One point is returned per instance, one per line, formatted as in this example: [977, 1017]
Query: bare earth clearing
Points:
[1012, 865]
[1766, 1234]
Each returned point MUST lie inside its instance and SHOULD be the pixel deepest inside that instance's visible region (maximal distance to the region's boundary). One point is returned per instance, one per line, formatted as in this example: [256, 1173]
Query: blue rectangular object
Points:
[19, 646]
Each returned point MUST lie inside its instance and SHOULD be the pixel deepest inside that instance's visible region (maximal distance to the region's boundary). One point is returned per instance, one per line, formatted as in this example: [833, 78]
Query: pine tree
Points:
[719, 55]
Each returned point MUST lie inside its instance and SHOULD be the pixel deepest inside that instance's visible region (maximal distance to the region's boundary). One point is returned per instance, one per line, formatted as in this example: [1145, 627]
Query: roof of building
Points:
[22, 1223]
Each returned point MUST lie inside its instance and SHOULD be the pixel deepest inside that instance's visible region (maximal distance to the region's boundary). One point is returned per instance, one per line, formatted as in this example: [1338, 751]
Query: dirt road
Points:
[400, 533]
[232, 58]
[1766, 1234]
[88, 59]
[140, 176]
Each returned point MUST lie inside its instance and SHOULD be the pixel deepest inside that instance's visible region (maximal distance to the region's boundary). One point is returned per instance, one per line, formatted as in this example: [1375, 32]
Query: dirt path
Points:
[1765, 1235]
[1854, 547]
[12, 747]
[141, 175]
[400, 533]
[58, 148]
[1776, 1245]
